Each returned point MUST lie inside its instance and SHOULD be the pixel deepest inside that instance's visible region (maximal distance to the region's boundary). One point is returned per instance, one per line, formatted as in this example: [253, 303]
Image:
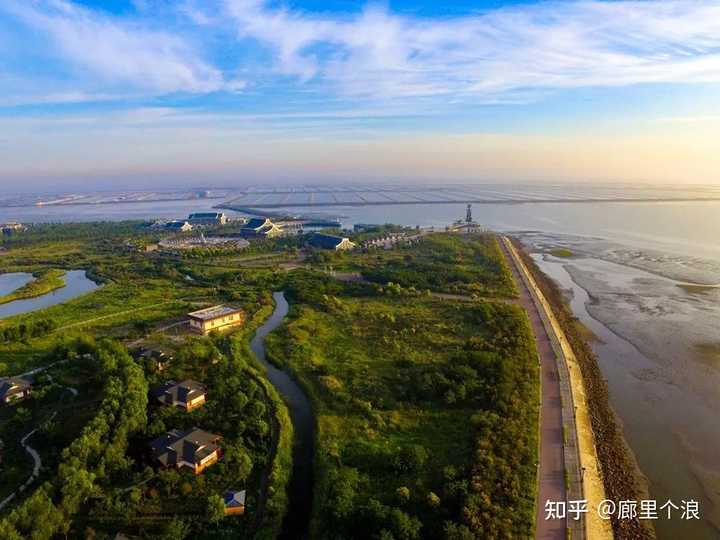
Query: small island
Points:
[44, 282]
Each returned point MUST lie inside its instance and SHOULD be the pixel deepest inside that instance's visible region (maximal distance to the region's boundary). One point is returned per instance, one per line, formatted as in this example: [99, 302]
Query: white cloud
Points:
[119, 51]
[546, 45]
[504, 55]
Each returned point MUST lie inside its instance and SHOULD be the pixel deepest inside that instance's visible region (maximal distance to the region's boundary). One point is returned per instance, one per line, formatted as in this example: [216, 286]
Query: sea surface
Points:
[657, 339]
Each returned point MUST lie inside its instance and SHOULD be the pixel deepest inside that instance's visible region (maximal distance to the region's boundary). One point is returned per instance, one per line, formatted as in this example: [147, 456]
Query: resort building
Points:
[14, 389]
[10, 228]
[187, 395]
[328, 241]
[154, 358]
[261, 228]
[194, 449]
[234, 503]
[208, 218]
[215, 318]
[179, 226]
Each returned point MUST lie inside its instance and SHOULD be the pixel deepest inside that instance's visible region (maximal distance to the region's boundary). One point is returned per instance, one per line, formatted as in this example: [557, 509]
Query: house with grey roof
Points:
[260, 228]
[193, 449]
[329, 241]
[14, 389]
[234, 502]
[179, 226]
[207, 218]
[187, 395]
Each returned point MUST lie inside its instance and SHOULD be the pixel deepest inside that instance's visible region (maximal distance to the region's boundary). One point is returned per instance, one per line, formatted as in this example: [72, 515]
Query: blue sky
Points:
[158, 91]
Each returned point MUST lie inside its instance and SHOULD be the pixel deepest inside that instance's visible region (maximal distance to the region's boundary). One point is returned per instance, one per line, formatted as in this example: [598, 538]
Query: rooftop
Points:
[191, 446]
[214, 312]
[13, 385]
[183, 392]
[256, 223]
[206, 215]
[235, 498]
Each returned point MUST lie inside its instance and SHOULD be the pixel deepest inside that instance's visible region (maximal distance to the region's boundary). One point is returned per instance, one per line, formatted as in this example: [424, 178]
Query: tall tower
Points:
[468, 217]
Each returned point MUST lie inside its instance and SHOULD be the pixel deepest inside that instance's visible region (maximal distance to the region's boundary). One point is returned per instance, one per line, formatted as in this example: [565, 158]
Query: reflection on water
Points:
[76, 284]
[12, 282]
[301, 413]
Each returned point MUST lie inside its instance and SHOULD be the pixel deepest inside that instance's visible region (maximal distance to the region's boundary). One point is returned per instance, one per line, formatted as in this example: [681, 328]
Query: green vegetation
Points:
[426, 404]
[45, 282]
[562, 253]
[426, 412]
[94, 459]
[470, 265]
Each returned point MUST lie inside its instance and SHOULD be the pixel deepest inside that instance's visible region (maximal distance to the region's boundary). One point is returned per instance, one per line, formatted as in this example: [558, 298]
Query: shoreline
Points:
[620, 472]
[44, 282]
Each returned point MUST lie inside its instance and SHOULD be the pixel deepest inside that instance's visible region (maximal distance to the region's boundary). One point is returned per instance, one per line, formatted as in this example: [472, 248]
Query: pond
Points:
[76, 284]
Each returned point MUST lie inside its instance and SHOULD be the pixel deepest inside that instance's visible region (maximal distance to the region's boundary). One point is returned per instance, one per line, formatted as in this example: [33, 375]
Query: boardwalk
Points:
[551, 474]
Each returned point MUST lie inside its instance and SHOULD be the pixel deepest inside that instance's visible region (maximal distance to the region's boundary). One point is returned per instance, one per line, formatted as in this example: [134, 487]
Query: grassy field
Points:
[408, 394]
[470, 265]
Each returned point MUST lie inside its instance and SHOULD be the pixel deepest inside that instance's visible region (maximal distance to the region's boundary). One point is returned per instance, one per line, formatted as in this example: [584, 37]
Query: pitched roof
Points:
[182, 392]
[176, 224]
[234, 499]
[206, 215]
[13, 385]
[215, 312]
[191, 446]
[326, 240]
[258, 223]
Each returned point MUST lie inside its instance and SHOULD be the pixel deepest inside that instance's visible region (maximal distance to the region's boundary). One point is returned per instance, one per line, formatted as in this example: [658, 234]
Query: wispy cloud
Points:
[505, 55]
[546, 45]
[116, 52]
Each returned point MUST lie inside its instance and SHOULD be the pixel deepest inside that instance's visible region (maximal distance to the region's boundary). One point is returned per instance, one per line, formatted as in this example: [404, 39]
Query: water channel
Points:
[297, 519]
[76, 283]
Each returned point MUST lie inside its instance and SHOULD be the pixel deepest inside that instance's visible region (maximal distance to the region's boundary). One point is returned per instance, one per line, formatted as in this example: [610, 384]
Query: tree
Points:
[433, 500]
[403, 494]
[411, 458]
[215, 508]
[177, 529]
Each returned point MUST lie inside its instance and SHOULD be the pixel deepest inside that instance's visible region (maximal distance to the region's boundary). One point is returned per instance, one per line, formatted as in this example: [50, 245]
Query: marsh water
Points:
[301, 413]
[76, 283]
[658, 341]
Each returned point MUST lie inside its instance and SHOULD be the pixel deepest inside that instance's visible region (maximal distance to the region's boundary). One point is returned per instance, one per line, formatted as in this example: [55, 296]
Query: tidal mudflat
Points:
[655, 318]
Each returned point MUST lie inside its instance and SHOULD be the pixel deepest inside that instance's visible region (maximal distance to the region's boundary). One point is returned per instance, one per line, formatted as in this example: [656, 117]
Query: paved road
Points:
[551, 475]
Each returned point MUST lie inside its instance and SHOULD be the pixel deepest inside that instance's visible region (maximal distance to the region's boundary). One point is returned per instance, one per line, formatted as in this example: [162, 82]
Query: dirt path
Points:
[580, 455]
[37, 463]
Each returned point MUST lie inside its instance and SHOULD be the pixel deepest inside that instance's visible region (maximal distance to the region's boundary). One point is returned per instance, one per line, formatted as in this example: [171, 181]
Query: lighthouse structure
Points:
[468, 216]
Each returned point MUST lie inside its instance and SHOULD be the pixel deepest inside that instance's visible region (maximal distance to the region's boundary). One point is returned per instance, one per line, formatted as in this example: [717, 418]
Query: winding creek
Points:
[301, 413]
[76, 284]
